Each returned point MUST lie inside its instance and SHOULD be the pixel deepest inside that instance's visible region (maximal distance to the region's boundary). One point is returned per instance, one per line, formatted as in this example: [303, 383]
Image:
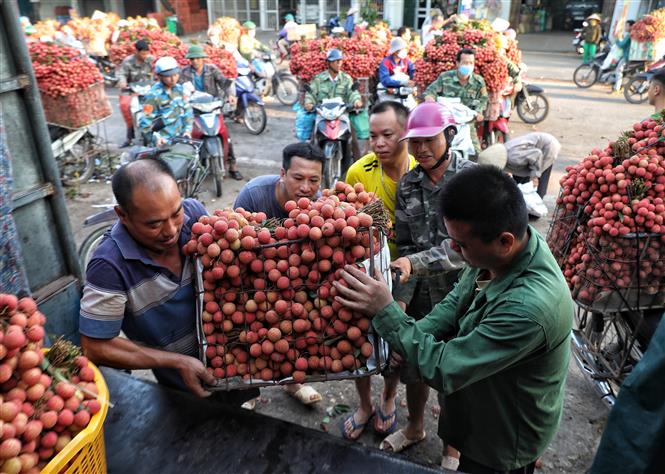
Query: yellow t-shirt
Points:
[367, 170]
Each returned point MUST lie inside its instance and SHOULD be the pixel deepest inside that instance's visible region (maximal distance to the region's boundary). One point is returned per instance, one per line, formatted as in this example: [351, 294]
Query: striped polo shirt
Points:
[126, 290]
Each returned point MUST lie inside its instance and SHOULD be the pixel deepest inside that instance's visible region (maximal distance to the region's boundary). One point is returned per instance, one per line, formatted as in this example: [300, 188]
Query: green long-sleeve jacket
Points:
[502, 372]
[323, 87]
[473, 94]
[247, 45]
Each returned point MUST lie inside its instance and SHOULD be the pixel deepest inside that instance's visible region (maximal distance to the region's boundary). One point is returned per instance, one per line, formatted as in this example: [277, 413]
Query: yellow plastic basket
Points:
[85, 453]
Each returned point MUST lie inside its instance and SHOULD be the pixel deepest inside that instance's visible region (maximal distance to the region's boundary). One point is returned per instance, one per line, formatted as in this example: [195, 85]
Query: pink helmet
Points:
[427, 120]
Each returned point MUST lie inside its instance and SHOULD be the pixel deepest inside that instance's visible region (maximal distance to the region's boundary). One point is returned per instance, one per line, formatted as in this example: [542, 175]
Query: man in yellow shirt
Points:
[379, 172]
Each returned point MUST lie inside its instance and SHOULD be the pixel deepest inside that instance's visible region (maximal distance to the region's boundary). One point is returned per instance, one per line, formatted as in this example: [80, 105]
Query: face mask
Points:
[402, 54]
[465, 70]
[252, 33]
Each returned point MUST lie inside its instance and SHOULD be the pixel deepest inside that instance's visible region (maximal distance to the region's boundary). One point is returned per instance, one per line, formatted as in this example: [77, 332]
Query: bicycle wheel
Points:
[636, 90]
[585, 76]
[78, 164]
[255, 118]
[534, 110]
[287, 90]
[89, 246]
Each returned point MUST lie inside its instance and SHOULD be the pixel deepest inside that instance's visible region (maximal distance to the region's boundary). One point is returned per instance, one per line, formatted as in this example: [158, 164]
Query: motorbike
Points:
[332, 133]
[269, 81]
[578, 42]
[465, 120]
[76, 152]
[597, 70]
[530, 103]
[209, 127]
[184, 159]
[637, 87]
[138, 91]
[405, 95]
[607, 344]
[250, 108]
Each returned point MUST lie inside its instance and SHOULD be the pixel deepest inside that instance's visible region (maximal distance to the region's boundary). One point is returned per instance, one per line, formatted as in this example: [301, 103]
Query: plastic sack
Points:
[534, 203]
[304, 122]
[360, 124]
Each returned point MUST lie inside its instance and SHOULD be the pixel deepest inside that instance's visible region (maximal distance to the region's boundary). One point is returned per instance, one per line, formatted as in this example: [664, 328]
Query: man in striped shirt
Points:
[140, 282]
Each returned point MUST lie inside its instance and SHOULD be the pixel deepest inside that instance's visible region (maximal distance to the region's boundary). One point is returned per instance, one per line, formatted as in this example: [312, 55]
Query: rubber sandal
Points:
[355, 426]
[249, 404]
[383, 417]
[450, 462]
[306, 395]
[397, 442]
[235, 174]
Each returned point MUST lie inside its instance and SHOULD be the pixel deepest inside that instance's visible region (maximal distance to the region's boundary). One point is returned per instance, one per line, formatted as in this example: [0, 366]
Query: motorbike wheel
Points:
[636, 90]
[89, 246]
[534, 110]
[216, 172]
[78, 164]
[286, 90]
[255, 118]
[333, 169]
[605, 350]
[585, 76]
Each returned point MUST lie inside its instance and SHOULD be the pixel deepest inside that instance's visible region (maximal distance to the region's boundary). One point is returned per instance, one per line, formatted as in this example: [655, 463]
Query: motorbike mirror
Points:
[158, 124]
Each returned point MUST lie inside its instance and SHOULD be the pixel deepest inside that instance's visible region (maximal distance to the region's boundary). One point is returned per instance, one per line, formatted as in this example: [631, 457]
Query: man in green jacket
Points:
[497, 346]
[464, 84]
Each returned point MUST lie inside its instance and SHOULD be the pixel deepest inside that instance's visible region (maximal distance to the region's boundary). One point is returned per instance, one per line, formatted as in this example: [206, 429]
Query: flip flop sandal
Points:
[355, 426]
[383, 417]
[306, 395]
[235, 174]
[399, 442]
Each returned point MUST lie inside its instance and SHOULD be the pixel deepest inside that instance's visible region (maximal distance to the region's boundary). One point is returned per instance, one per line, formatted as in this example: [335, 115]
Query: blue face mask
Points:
[465, 70]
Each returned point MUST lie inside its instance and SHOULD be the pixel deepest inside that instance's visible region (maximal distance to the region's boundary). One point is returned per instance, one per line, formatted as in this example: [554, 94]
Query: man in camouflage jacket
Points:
[166, 99]
[464, 84]
[332, 83]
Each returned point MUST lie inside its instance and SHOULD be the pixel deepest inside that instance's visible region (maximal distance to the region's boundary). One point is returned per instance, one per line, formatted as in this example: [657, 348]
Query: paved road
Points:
[580, 119]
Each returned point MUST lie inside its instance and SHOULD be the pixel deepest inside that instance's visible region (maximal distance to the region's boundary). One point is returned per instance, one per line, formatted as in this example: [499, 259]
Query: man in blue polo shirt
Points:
[140, 282]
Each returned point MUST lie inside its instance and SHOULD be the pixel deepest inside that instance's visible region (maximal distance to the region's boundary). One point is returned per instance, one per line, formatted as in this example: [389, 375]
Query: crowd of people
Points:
[481, 312]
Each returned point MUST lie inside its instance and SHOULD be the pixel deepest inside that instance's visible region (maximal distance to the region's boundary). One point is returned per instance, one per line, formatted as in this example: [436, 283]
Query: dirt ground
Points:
[580, 119]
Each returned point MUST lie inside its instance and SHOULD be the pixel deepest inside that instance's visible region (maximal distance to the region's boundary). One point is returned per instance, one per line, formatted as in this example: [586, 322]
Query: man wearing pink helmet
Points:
[430, 130]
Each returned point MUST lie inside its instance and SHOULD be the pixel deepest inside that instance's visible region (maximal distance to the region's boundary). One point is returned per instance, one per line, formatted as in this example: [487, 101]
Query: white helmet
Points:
[167, 66]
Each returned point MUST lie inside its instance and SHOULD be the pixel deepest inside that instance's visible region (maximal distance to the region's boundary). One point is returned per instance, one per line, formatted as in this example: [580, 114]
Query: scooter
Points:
[531, 104]
[182, 156]
[209, 127]
[250, 108]
[637, 87]
[332, 133]
[405, 95]
[587, 75]
[271, 81]
[138, 91]
[465, 121]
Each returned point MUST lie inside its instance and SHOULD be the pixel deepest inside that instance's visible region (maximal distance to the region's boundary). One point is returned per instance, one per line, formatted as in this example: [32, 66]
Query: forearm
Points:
[122, 353]
[439, 259]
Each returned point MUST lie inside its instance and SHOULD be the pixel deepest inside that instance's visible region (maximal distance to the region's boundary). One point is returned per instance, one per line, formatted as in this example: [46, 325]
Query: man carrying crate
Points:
[300, 176]
[138, 281]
